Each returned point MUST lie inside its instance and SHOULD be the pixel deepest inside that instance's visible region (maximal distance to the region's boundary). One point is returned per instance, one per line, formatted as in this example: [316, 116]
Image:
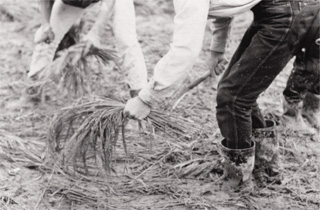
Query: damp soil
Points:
[157, 173]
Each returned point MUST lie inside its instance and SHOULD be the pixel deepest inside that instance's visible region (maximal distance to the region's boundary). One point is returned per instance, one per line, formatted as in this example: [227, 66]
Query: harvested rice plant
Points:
[65, 143]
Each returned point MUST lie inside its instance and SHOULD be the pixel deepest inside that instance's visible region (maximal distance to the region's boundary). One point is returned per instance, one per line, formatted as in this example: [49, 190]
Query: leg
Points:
[97, 32]
[299, 83]
[304, 78]
[245, 42]
[311, 102]
[257, 117]
[300, 80]
[259, 64]
[267, 167]
[311, 109]
[62, 17]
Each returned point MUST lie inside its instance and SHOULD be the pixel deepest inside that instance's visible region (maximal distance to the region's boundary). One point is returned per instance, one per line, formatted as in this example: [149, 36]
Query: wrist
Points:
[146, 97]
[143, 102]
[214, 52]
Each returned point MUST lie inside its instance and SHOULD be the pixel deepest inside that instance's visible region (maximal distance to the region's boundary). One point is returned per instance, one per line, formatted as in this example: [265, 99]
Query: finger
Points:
[218, 70]
[125, 121]
[47, 41]
[212, 73]
[41, 39]
[140, 118]
[132, 117]
[87, 47]
[141, 126]
[224, 62]
[221, 69]
[126, 114]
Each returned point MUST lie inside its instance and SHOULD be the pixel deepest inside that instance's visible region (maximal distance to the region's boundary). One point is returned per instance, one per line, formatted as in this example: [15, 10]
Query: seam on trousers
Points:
[254, 73]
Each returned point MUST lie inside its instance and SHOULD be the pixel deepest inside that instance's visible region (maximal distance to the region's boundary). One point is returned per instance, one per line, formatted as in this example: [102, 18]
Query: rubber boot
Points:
[292, 117]
[267, 167]
[311, 109]
[238, 166]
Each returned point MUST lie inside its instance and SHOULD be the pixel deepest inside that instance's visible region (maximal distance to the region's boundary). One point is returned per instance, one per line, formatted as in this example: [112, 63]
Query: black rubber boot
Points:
[292, 117]
[267, 167]
[311, 109]
[238, 166]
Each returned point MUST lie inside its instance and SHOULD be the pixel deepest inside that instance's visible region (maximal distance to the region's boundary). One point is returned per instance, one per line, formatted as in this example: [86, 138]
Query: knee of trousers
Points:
[225, 107]
[231, 98]
[224, 98]
[232, 102]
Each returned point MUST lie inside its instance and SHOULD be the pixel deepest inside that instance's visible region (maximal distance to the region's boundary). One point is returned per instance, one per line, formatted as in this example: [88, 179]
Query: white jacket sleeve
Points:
[221, 13]
[228, 8]
[220, 27]
[124, 28]
[189, 28]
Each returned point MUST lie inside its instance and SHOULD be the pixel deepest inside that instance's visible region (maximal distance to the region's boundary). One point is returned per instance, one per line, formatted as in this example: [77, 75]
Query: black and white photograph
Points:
[160, 104]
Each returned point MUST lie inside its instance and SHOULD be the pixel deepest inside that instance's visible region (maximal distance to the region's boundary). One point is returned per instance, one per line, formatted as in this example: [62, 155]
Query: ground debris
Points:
[158, 172]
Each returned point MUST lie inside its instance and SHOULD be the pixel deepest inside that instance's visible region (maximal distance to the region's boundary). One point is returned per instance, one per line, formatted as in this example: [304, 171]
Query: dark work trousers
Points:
[260, 57]
[305, 76]
[80, 3]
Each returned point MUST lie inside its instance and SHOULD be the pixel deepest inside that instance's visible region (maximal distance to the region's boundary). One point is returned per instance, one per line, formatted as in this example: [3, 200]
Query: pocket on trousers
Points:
[275, 6]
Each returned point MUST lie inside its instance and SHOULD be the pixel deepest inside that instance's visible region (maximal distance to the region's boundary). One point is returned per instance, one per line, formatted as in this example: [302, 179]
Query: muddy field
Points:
[159, 172]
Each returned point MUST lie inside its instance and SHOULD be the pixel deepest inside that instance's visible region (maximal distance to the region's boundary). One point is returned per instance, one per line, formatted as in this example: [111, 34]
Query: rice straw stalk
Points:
[72, 69]
[89, 131]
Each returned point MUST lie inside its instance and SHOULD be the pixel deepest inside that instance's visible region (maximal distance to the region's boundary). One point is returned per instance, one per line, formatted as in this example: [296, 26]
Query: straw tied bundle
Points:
[71, 69]
[86, 133]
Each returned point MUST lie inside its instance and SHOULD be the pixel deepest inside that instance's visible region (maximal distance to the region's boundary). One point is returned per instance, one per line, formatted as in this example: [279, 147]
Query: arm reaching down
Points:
[189, 28]
[44, 33]
[96, 32]
[125, 32]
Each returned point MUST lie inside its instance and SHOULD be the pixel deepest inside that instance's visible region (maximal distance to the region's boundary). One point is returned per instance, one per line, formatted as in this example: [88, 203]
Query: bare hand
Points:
[93, 39]
[44, 34]
[217, 63]
[137, 109]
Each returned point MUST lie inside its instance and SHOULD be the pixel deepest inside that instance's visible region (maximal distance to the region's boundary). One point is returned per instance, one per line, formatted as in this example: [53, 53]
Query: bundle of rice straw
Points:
[71, 70]
[88, 131]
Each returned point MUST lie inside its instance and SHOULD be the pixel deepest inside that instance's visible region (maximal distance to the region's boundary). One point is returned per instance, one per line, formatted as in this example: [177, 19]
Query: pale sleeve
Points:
[189, 28]
[124, 28]
[221, 14]
[220, 27]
